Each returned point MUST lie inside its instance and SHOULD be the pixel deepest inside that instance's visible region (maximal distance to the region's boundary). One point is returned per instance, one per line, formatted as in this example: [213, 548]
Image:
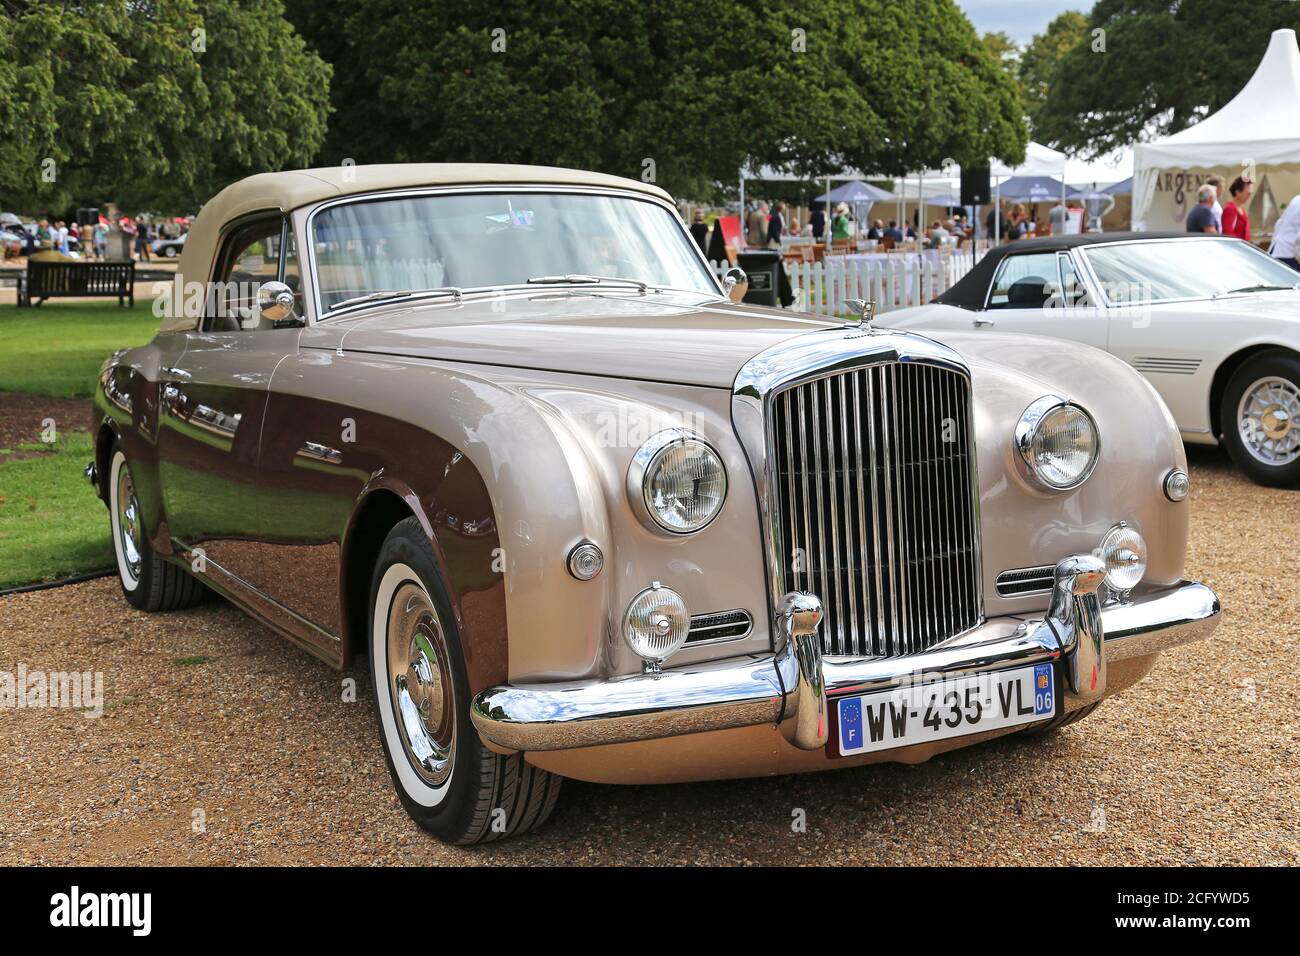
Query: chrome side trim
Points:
[783, 690]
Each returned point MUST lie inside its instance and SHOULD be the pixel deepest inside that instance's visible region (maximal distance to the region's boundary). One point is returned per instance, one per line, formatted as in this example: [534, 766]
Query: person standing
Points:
[756, 230]
[700, 231]
[776, 226]
[100, 235]
[1286, 235]
[1216, 181]
[840, 227]
[1201, 216]
[142, 241]
[61, 236]
[1235, 221]
[818, 220]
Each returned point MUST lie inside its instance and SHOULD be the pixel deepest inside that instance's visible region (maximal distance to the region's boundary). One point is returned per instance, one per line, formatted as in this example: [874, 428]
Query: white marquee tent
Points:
[1259, 128]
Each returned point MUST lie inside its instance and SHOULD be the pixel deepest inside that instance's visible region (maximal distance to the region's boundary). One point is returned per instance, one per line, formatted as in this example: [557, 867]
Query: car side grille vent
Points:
[719, 626]
[1024, 581]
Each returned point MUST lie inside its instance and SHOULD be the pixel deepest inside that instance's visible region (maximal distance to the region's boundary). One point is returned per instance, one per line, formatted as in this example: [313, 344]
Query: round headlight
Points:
[1058, 442]
[1125, 554]
[656, 623]
[677, 481]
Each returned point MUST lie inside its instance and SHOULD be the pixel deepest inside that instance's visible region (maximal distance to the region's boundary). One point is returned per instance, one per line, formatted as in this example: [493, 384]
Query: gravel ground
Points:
[215, 725]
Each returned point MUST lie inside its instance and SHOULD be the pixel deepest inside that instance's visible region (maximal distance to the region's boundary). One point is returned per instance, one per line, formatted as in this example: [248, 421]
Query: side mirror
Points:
[275, 302]
[735, 283]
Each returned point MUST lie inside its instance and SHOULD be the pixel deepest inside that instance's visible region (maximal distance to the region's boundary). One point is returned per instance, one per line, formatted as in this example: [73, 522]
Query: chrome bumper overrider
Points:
[790, 688]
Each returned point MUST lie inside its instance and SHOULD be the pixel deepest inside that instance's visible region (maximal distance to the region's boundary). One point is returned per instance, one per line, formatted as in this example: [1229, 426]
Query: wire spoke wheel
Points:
[1268, 419]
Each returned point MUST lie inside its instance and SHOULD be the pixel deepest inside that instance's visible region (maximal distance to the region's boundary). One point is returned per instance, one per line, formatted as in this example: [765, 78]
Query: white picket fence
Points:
[892, 282]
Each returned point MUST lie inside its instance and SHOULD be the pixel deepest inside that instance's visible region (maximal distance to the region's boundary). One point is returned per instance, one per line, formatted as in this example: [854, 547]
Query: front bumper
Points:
[791, 688]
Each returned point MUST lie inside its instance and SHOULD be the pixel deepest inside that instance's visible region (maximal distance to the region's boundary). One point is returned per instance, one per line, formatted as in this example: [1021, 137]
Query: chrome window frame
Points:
[815, 355]
[486, 189]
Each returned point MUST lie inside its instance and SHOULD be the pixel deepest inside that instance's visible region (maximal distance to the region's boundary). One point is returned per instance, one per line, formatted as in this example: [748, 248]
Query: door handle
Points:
[981, 323]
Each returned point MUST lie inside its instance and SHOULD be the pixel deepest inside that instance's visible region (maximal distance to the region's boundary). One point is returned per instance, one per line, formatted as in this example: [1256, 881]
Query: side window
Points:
[250, 256]
[1025, 281]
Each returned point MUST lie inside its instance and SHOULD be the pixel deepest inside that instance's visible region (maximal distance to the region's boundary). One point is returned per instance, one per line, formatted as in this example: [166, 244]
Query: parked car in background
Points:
[169, 247]
[1211, 322]
[501, 431]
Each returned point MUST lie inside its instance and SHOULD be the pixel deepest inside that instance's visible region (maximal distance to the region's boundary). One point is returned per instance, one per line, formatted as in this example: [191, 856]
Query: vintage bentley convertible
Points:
[502, 431]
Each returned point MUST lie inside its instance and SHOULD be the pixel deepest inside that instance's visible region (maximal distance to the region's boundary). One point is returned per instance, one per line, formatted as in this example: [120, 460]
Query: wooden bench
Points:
[55, 280]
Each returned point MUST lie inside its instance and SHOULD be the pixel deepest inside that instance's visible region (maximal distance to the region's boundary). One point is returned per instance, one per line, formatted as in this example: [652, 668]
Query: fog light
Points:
[656, 624]
[1125, 554]
[585, 561]
[1177, 484]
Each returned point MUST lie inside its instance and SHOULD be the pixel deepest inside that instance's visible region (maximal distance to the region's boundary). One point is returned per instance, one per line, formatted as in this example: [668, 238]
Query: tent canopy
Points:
[856, 192]
[1034, 189]
[1120, 188]
[1259, 126]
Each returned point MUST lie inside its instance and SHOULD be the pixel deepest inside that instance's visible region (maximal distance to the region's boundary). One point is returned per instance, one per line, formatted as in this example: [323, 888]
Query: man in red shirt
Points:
[1235, 221]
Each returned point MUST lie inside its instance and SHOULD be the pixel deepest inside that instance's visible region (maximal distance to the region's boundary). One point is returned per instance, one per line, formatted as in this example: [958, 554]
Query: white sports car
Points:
[1211, 321]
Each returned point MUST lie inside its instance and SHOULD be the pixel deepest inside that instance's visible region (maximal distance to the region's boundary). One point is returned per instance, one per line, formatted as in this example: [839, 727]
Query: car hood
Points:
[686, 339]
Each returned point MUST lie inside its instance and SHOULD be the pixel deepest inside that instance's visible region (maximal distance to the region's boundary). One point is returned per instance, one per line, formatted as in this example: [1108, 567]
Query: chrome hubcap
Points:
[128, 522]
[1266, 417]
[420, 684]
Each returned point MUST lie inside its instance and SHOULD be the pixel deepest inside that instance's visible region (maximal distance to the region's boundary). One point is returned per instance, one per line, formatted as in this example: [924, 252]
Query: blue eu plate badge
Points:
[1044, 691]
[851, 724]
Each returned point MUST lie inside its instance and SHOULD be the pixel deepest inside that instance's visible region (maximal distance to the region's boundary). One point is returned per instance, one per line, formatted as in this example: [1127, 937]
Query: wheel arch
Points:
[105, 435]
[1228, 367]
[387, 500]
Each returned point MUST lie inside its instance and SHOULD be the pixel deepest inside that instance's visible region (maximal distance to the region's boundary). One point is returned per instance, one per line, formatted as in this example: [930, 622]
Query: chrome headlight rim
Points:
[1027, 430]
[644, 463]
[653, 650]
[1109, 542]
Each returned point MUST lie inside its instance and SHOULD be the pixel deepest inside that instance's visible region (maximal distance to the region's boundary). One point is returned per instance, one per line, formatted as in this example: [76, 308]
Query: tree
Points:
[151, 104]
[1149, 68]
[1041, 60]
[681, 91]
[1004, 50]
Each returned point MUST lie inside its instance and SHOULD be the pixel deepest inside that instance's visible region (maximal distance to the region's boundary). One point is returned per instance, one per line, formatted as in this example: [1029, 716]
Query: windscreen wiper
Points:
[578, 278]
[1259, 288]
[398, 294]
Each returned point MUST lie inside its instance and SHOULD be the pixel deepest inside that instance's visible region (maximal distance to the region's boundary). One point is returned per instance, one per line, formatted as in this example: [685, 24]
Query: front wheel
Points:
[1260, 419]
[148, 582]
[447, 780]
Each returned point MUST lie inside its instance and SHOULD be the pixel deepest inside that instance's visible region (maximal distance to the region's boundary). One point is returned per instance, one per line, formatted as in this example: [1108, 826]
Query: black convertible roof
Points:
[970, 290]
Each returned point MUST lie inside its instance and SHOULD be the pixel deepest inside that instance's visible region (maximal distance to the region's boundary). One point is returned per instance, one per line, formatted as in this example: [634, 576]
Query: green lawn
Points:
[57, 349]
[51, 523]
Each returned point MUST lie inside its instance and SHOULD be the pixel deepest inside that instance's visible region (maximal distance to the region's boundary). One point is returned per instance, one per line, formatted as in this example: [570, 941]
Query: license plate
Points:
[941, 709]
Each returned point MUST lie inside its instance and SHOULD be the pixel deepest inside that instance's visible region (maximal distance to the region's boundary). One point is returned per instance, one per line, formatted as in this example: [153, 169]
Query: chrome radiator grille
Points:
[875, 505]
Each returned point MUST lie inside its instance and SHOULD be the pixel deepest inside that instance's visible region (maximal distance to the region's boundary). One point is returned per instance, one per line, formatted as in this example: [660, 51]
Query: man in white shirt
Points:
[1286, 235]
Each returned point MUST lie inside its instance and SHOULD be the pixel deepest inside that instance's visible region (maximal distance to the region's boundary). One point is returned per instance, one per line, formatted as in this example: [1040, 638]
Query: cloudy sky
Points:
[1019, 19]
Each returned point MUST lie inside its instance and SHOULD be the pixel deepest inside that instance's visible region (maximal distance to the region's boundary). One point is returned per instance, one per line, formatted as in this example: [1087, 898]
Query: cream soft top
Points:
[293, 189]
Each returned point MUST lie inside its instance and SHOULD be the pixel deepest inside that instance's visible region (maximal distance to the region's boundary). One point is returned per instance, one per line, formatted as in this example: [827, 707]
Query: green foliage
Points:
[1041, 60]
[698, 88]
[51, 523]
[57, 349]
[151, 104]
[1166, 64]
